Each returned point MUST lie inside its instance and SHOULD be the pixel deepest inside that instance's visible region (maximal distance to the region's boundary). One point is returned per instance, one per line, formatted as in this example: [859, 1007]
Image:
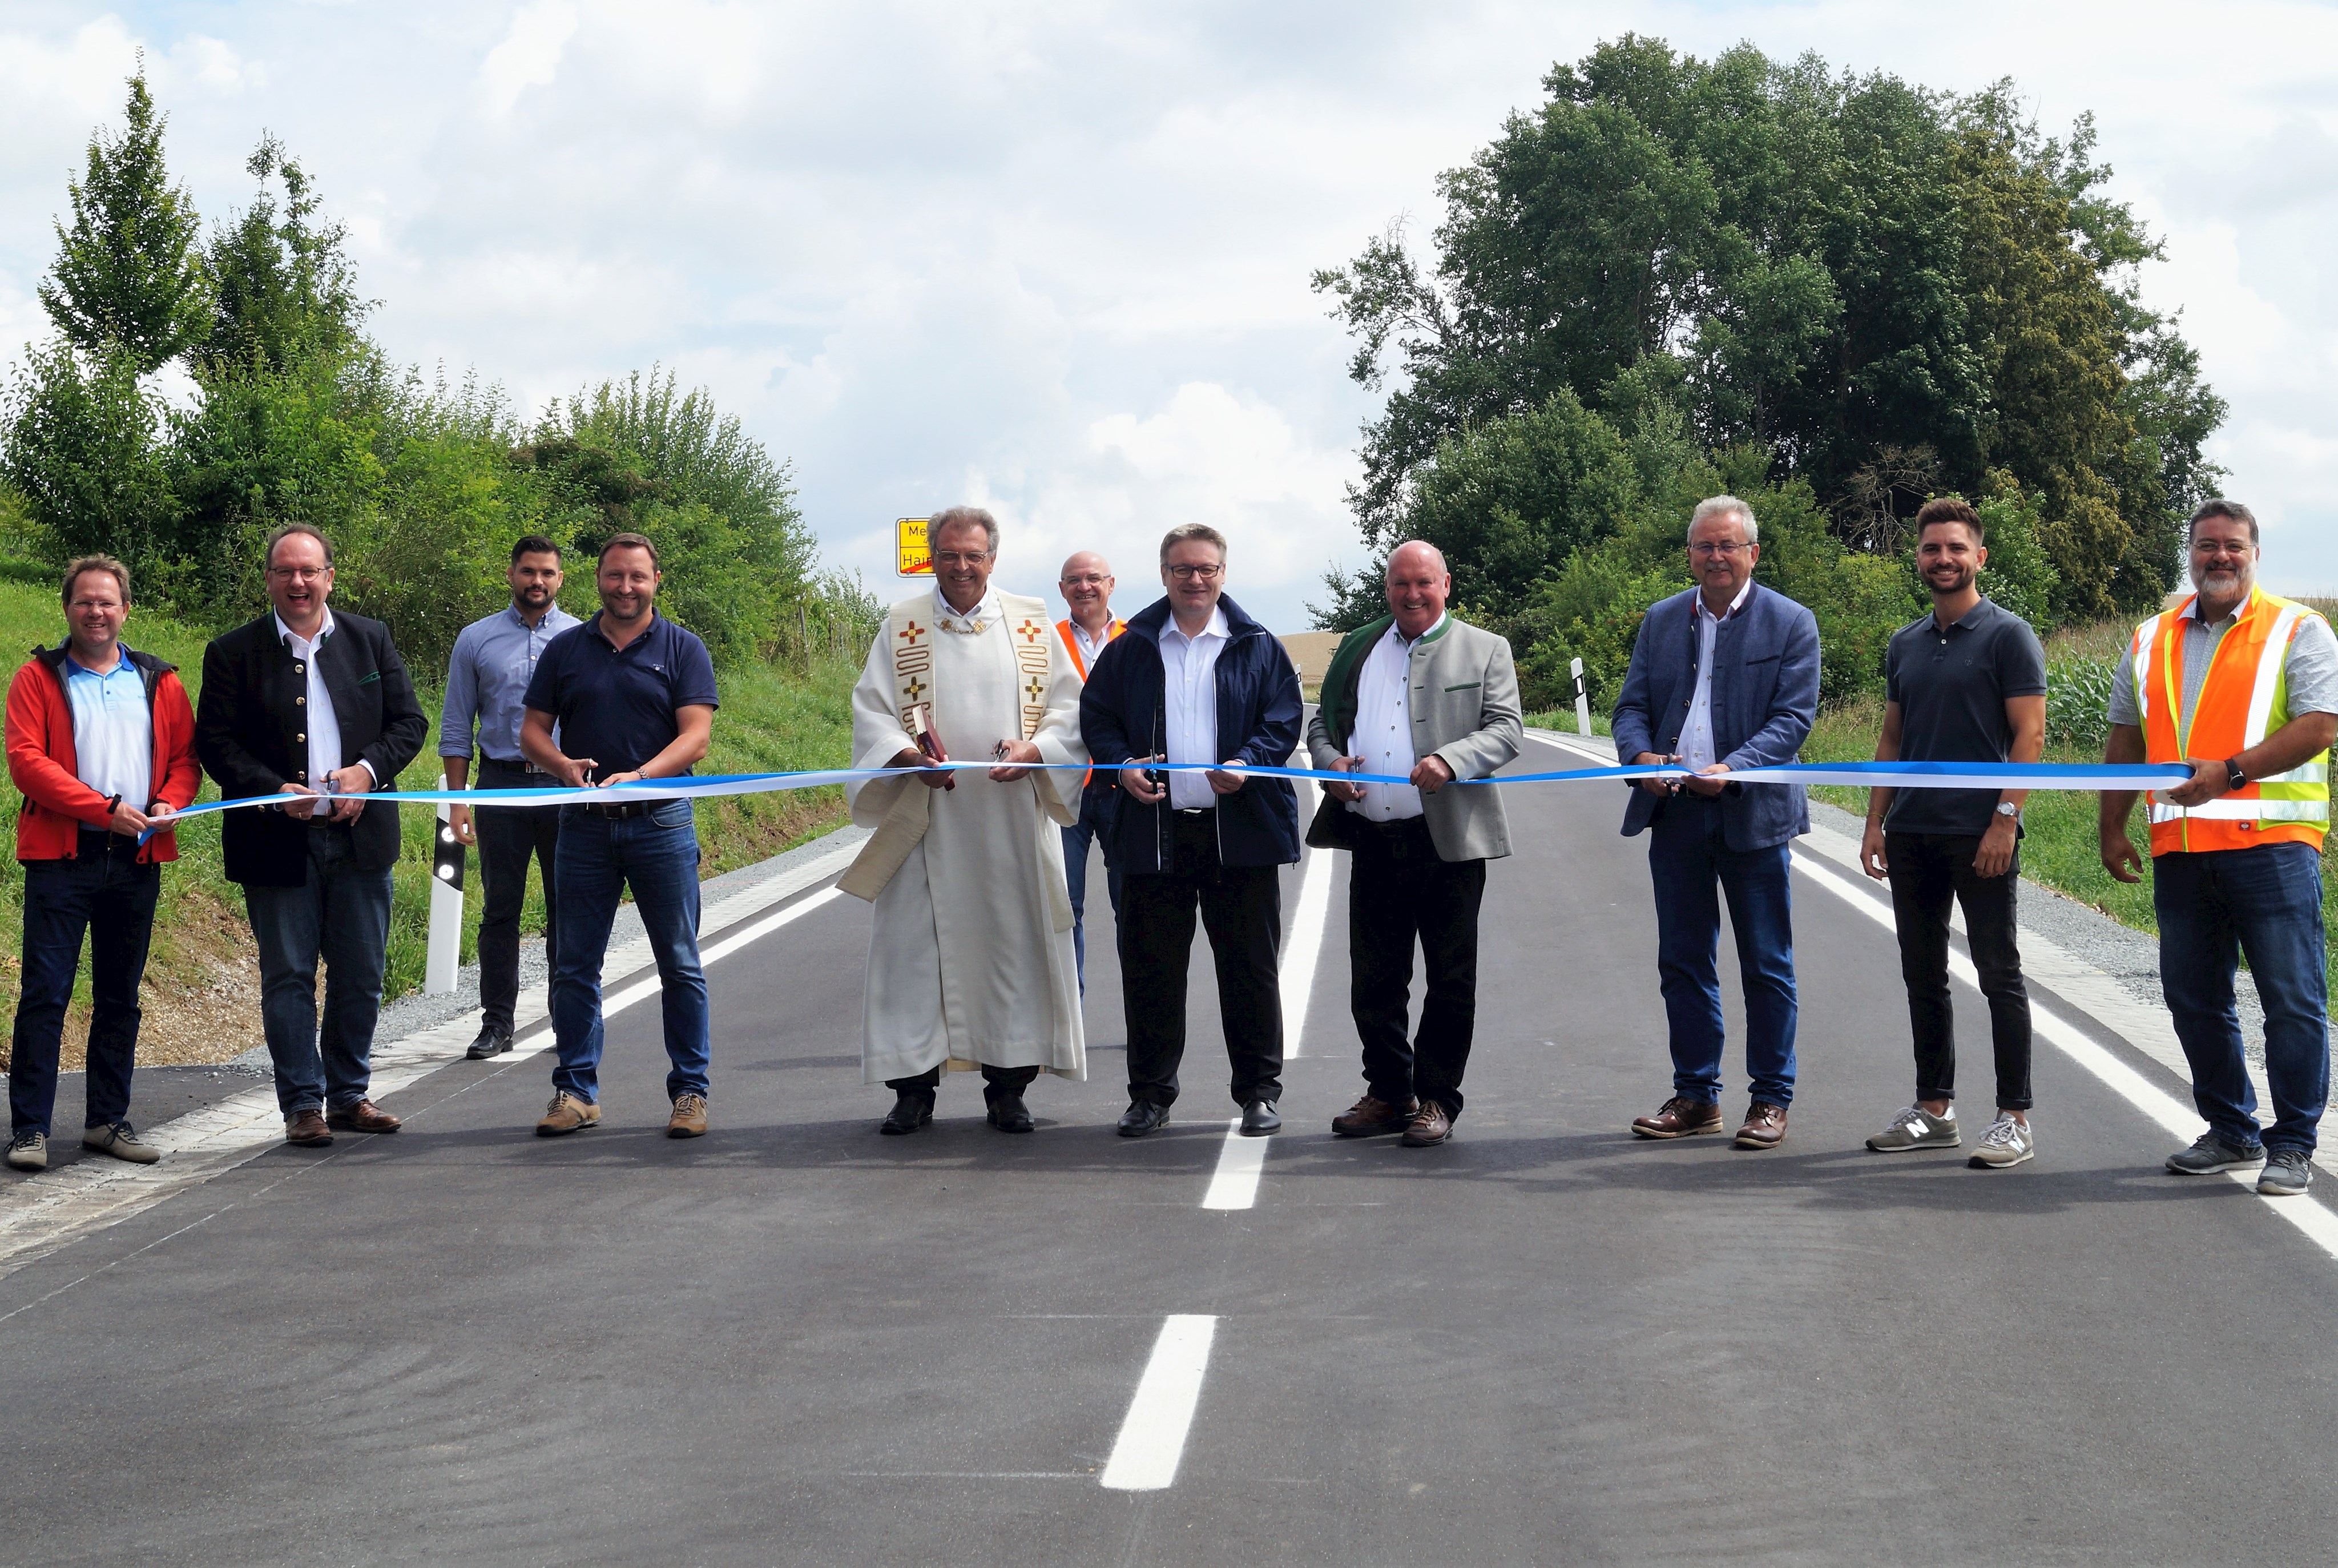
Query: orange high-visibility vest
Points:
[1070, 634]
[2243, 699]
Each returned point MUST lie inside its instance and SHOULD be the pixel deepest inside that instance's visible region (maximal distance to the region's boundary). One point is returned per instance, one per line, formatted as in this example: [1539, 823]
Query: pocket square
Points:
[368, 675]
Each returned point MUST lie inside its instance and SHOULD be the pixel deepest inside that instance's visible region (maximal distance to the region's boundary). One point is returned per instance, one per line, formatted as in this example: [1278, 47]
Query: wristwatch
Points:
[2233, 777]
[2008, 808]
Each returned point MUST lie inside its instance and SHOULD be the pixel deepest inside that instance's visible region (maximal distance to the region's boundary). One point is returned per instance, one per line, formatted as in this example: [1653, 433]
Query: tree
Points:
[82, 449]
[128, 271]
[285, 289]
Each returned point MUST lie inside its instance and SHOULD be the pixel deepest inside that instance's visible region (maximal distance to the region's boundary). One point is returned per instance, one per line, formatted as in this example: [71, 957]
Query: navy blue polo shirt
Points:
[1952, 685]
[616, 705]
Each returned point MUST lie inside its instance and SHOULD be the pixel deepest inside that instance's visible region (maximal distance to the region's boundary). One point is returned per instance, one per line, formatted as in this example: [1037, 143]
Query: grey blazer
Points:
[1464, 704]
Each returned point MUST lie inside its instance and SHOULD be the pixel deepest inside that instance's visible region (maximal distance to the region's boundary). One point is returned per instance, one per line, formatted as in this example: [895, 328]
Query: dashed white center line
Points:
[1152, 1439]
[1239, 1161]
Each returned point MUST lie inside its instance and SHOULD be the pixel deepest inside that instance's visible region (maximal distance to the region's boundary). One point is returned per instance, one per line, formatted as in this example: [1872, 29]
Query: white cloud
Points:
[529, 55]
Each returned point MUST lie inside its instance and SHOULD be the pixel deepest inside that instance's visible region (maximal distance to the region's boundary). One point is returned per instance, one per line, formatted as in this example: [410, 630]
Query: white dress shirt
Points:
[1697, 735]
[1383, 733]
[324, 727]
[1092, 642]
[1189, 669]
[985, 614]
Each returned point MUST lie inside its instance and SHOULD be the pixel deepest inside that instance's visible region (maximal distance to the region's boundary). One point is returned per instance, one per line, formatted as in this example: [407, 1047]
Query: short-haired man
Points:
[1723, 677]
[102, 745]
[1966, 683]
[1420, 695]
[971, 948]
[1086, 584]
[632, 696]
[1197, 680]
[318, 707]
[2243, 687]
[486, 681]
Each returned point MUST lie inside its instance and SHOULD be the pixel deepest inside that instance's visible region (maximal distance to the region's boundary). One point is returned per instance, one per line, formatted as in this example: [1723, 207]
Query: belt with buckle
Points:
[523, 767]
[623, 810]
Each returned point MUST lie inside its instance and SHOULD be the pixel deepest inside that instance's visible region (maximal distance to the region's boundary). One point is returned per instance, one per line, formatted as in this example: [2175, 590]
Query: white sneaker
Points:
[1917, 1128]
[2008, 1142]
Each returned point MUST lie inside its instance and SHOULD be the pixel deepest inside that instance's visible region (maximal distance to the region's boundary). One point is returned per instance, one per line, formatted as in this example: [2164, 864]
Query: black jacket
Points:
[251, 733]
[1123, 714]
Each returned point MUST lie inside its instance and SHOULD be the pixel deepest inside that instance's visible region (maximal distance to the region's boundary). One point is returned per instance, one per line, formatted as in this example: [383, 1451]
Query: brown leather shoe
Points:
[1370, 1117]
[1679, 1117]
[1765, 1126]
[307, 1129]
[364, 1116]
[567, 1113]
[1429, 1126]
[689, 1118]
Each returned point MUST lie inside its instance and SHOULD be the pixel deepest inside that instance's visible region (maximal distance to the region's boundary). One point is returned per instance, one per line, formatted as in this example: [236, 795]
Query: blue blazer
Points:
[1123, 714]
[1765, 698]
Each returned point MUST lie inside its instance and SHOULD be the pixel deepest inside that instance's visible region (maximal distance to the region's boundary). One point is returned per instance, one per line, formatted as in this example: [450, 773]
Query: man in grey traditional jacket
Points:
[971, 963]
[1422, 696]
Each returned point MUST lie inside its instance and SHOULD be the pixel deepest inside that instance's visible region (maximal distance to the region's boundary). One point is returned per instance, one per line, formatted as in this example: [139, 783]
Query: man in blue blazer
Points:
[1195, 679]
[1723, 677]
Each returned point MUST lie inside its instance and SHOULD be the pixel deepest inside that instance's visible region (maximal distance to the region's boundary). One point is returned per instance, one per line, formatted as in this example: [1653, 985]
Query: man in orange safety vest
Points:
[2243, 686]
[1086, 586]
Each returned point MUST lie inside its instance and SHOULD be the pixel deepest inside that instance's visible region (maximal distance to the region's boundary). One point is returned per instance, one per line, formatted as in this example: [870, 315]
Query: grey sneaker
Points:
[121, 1140]
[29, 1151]
[2288, 1172]
[2008, 1142]
[1917, 1128]
[2210, 1155]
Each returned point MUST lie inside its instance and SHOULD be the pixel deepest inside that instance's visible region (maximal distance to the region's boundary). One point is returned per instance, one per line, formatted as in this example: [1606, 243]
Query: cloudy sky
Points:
[1053, 257]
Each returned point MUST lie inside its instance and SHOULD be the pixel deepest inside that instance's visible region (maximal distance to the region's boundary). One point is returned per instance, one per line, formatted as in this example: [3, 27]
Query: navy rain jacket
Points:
[1123, 715]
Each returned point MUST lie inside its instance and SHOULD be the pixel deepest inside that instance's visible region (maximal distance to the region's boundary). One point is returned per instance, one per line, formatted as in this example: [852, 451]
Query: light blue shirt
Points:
[486, 682]
[113, 732]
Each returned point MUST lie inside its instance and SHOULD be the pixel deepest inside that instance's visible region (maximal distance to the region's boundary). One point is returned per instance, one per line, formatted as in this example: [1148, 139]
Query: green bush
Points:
[2078, 702]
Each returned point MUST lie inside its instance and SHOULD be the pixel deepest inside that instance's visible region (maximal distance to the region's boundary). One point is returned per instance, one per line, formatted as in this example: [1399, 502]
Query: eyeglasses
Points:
[961, 557]
[1188, 574]
[1718, 547]
[1093, 579]
[299, 573]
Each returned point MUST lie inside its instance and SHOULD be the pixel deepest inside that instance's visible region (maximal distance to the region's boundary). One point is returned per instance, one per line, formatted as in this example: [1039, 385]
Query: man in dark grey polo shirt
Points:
[1966, 683]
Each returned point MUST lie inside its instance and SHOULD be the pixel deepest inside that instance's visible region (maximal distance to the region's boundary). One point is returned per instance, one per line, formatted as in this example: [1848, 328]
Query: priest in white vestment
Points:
[971, 961]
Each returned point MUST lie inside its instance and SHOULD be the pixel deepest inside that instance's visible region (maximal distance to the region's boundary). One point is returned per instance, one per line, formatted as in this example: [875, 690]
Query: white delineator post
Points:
[1582, 697]
[446, 947]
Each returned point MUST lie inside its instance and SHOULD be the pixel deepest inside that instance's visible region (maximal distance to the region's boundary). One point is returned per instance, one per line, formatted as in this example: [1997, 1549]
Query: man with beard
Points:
[487, 680]
[2243, 687]
[1966, 683]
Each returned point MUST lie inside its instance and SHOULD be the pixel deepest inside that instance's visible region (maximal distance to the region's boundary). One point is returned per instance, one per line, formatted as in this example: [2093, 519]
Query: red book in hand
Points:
[921, 731]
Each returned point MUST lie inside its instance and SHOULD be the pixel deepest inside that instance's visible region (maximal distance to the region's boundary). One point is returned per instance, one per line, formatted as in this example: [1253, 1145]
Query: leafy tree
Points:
[83, 451]
[128, 271]
[285, 288]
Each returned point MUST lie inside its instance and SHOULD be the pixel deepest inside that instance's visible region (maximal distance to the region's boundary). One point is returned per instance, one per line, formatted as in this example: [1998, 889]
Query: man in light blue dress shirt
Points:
[493, 663]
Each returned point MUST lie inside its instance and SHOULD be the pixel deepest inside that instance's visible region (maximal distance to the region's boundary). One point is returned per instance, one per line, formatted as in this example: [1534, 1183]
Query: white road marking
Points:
[1303, 946]
[1239, 1161]
[1152, 1436]
[2179, 1119]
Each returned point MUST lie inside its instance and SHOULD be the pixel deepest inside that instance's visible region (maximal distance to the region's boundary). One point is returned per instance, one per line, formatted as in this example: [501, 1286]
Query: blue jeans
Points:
[340, 914]
[106, 894]
[656, 855]
[1688, 859]
[1076, 840]
[2265, 902]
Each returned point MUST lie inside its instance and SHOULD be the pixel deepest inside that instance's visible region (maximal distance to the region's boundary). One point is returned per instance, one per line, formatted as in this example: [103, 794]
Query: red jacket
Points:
[42, 764]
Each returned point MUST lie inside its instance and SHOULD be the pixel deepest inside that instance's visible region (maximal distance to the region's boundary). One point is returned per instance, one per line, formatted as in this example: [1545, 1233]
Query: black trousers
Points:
[997, 1081]
[1242, 911]
[1930, 870]
[508, 835]
[105, 893]
[1399, 892]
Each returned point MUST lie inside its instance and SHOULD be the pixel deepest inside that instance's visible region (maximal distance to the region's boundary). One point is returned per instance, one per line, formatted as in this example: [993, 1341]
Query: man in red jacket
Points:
[102, 742]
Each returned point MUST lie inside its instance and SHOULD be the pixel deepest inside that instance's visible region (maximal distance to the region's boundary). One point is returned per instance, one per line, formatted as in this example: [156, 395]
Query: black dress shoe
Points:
[492, 1042]
[1143, 1116]
[1009, 1115]
[909, 1112]
[1260, 1118]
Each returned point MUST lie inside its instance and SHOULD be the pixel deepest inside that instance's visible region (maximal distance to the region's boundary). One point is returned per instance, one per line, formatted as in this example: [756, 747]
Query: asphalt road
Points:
[795, 1341]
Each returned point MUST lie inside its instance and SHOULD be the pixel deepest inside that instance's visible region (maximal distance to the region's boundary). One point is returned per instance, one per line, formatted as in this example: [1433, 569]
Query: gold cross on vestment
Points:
[916, 688]
[1028, 631]
[1034, 688]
